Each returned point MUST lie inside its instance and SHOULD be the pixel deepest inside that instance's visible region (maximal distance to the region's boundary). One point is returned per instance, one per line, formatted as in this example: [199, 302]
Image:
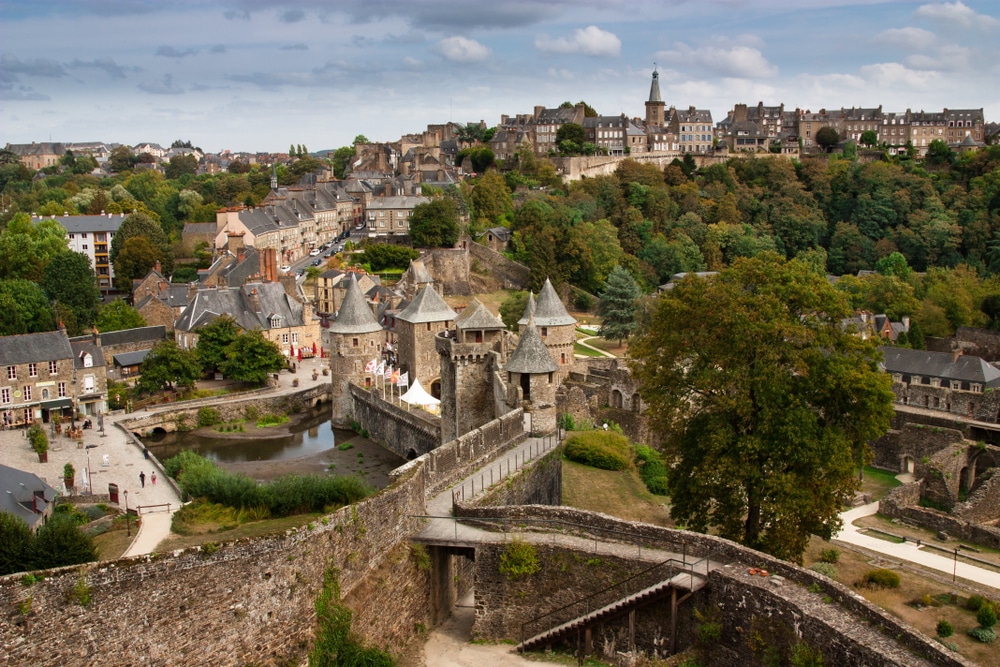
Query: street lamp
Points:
[100, 423]
[90, 478]
[128, 526]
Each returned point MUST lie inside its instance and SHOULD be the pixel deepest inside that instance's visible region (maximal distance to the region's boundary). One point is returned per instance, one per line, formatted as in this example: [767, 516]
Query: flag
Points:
[388, 372]
[404, 380]
[370, 366]
[395, 376]
[380, 369]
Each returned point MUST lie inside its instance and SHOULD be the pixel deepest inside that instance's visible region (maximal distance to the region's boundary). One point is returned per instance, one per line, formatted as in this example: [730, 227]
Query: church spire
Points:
[654, 89]
[274, 177]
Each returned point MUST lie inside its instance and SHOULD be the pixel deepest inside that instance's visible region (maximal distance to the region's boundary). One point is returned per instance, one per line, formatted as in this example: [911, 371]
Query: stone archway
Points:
[616, 398]
[636, 402]
[906, 464]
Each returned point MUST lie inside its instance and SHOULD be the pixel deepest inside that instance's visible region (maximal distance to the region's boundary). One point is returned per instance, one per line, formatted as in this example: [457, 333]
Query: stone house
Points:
[495, 238]
[693, 129]
[948, 381]
[125, 349]
[38, 155]
[43, 374]
[26, 496]
[386, 216]
[159, 301]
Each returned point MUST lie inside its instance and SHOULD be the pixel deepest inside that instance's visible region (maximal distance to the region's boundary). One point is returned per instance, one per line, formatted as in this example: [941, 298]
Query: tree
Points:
[360, 139]
[213, 340]
[939, 153]
[252, 358]
[869, 138]
[382, 256]
[142, 224]
[168, 364]
[893, 264]
[24, 308]
[827, 138]
[766, 402]
[512, 309]
[342, 160]
[60, 542]
[434, 224]
[618, 305]
[120, 159]
[118, 316]
[571, 132]
[26, 248]
[15, 544]
[491, 200]
[134, 261]
[180, 165]
[69, 280]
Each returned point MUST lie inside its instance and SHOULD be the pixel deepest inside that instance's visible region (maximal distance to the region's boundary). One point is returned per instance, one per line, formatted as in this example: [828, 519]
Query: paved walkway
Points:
[124, 462]
[909, 551]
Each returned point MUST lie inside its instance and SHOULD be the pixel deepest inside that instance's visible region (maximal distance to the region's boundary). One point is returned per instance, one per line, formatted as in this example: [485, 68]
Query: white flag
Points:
[380, 369]
[388, 372]
[404, 379]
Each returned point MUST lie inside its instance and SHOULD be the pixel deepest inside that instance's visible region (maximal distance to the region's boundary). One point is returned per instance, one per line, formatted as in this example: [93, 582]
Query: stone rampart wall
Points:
[918, 441]
[697, 545]
[984, 504]
[508, 273]
[978, 342]
[902, 503]
[537, 483]
[245, 602]
[399, 431]
[231, 407]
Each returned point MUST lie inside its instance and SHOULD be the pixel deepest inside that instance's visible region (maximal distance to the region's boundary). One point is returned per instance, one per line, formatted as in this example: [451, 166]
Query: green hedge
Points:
[651, 469]
[599, 449]
[881, 578]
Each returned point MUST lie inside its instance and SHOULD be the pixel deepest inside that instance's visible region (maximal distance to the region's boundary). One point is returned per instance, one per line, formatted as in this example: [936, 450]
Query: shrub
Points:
[208, 416]
[826, 569]
[881, 578]
[566, 422]
[829, 555]
[987, 616]
[271, 420]
[599, 449]
[651, 469]
[974, 602]
[519, 559]
[583, 301]
[944, 628]
[984, 635]
[39, 441]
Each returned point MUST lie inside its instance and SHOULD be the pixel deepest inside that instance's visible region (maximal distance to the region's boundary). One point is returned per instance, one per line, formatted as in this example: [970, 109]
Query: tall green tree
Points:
[24, 308]
[869, 137]
[180, 165]
[618, 305]
[69, 280]
[435, 224]
[166, 365]
[767, 404]
[213, 340]
[60, 542]
[137, 256]
[491, 200]
[15, 544]
[827, 137]
[144, 225]
[120, 159]
[342, 160]
[118, 316]
[26, 248]
[252, 358]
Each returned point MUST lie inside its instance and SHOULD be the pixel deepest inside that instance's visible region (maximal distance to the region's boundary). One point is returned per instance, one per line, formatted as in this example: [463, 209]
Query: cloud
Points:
[11, 66]
[171, 52]
[589, 41]
[21, 94]
[164, 86]
[237, 15]
[910, 38]
[114, 70]
[294, 47]
[896, 75]
[218, 48]
[458, 15]
[722, 59]
[951, 57]
[462, 50]
[292, 16]
[411, 62]
[957, 15]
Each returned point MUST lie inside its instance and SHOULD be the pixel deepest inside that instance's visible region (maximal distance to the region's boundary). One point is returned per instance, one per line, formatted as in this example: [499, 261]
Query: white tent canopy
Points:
[416, 395]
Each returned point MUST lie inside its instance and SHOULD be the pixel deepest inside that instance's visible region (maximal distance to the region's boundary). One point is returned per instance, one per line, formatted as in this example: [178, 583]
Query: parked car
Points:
[285, 269]
[340, 247]
[314, 252]
[317, 261]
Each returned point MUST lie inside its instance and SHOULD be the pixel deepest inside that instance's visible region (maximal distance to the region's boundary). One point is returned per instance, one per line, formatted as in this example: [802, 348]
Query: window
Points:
[956, 384]
[295, 338]
[33, 370]
[88, 383]
[62, 390]
[284, 338]
[545, 332]
[84, 246]
[354, 342]
[88, 361]
[5, 395]
[12, 372]
[27, 392]
[45, 394]
[275, 322]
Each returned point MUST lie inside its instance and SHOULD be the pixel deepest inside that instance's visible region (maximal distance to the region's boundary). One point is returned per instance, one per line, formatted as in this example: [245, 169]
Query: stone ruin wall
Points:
[249, 601]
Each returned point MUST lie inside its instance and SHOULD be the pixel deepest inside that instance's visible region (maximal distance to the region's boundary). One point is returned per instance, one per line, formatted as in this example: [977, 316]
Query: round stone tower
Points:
[556, 327]
[354, 338]
[532, 381]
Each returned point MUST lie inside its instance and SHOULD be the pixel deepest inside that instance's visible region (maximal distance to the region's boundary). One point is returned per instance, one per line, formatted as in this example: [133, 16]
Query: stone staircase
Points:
[688, 582]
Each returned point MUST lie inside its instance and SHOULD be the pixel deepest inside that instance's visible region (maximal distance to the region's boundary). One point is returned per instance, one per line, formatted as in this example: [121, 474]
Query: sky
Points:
[257, 75]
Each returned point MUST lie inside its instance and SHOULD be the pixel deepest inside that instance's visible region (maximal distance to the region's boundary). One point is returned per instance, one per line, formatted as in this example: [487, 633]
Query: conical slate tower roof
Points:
[478, 316]
[549, 311]
[654, 89]
[529, 310]
[427, 306]
[354, 316]
[531, 355]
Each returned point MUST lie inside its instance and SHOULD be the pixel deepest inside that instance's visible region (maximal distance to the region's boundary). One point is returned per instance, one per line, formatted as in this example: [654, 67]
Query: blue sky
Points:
[260, 75]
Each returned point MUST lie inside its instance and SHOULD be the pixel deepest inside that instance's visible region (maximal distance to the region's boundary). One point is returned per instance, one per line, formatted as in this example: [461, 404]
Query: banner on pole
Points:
[404, 380]
[370, 366]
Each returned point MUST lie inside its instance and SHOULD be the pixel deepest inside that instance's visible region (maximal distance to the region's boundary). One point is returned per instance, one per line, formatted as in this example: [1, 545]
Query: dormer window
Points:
[275, 321]
[88, 360]
[956, 384]
[977, 388]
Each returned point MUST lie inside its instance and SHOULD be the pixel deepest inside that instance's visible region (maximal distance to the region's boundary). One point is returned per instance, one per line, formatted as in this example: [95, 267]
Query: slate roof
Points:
[200, 228]
[17, 488]
[79, 224]
[138, 335]
[397, 202]
[86, 345]
[654, 88]
[549, 310]
[529, 310]
[237, 302]
[354, 316]
[35, 348]
[477, 316]
[531, 355]
[966, 368]
[130, 358]
[427, 306]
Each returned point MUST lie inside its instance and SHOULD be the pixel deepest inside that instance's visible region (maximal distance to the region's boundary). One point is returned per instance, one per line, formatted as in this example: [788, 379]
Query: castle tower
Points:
[416, 276]
[417, 325]
[531, 377]
[556, 327]
[470, 359]
[655, 105]
[353, 338]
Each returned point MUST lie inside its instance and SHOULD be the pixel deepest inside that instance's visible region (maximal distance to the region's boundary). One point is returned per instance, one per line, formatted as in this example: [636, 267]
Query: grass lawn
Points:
[901, 602]
[609, 346]
[618, 493]
[879, 482]
[113, 544]
[581, 351]
[212, 532]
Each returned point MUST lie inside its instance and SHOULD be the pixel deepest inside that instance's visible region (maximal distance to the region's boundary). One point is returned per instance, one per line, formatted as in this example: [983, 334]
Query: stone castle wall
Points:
[978, 342]
[902, 503]
[505, 273]
[402, 432]
[245, 602]
[916, 441]
[538, 483]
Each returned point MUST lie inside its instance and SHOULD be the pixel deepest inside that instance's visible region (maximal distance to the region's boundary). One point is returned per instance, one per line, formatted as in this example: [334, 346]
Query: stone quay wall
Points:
[399, 431]
[894, 632]
[230, 407]
[455, 460]
[249, 601]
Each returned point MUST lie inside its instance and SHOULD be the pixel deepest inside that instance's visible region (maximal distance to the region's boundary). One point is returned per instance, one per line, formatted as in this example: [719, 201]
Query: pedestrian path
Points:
[910, 551]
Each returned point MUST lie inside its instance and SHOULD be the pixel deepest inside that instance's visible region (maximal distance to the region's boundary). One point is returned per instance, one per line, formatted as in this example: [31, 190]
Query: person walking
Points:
[142, 479]
[154, 478]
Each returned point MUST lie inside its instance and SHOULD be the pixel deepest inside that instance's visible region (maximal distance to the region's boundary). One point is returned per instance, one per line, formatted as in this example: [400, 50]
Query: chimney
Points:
[254, 300]
[96, 334]
[739, 113]
[955, 354]
[159, 269]
[538, 112]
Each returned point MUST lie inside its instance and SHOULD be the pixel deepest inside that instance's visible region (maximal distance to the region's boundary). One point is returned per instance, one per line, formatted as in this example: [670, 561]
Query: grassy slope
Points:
[621, 494]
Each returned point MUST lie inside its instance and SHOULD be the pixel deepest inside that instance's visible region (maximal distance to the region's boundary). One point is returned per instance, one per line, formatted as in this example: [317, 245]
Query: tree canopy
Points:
[827, 137]
[213, 340]
[166, 365]
[252, 358]
[26, 248]
[24, 308]
[143, 225]
[118, 316]
[69, 281]
[766, 402]
[435, 224]
[618, 305]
